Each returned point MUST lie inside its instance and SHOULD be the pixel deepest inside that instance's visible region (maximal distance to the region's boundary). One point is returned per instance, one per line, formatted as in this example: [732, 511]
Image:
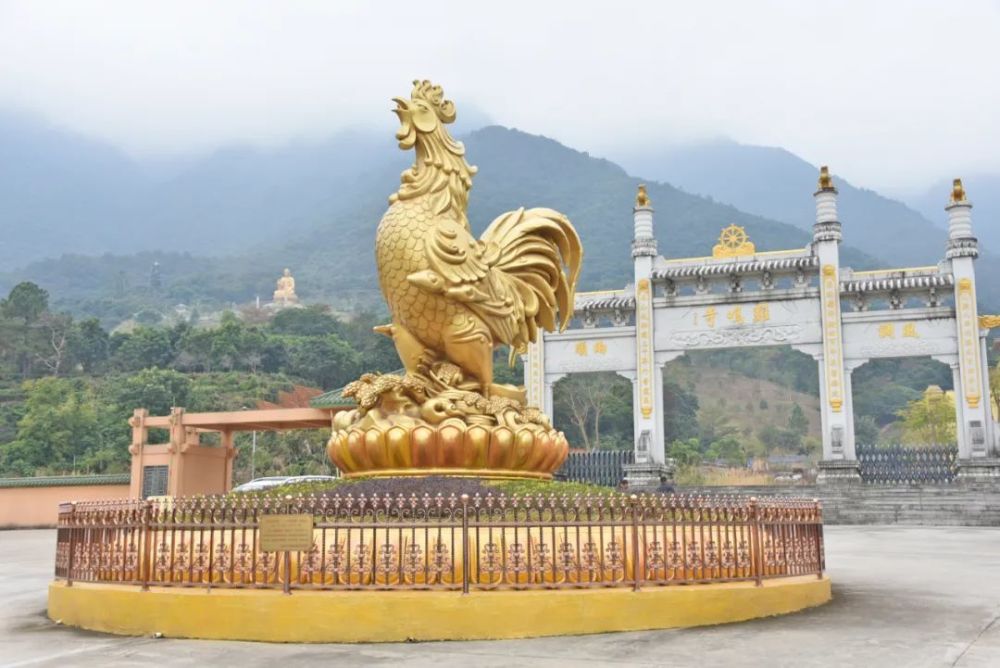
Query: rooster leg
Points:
[408, 347]
[471, 348]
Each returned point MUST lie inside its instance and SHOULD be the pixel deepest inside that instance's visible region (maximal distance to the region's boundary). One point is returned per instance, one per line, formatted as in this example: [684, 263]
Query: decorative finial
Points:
[957, 192]
[642, 197]
[825, 180]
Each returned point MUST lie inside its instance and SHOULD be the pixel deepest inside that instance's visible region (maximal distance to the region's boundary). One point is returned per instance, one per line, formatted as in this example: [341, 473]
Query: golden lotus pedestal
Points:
[452, 449]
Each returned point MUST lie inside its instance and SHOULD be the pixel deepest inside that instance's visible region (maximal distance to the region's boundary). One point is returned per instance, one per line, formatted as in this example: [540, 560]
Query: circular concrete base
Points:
[393, 616]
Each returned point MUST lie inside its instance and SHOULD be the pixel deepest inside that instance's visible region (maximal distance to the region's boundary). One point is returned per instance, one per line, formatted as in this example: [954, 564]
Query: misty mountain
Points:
[224, 225]
[984, 193]
[62, 193]
[333, 260]
[777, 184]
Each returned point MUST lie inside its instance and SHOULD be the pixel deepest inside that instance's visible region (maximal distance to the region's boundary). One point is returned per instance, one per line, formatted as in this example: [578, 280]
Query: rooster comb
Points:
[434, 96]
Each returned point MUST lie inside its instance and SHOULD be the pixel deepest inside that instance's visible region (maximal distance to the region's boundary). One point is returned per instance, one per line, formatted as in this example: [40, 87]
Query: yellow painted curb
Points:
[391, 616]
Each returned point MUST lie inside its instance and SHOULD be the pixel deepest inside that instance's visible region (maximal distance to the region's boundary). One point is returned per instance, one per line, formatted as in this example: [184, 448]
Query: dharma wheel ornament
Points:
[733, 242]
[453, 299]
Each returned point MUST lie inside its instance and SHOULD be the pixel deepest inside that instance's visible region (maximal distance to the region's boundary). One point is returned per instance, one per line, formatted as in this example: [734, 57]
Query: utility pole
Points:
[253, 456]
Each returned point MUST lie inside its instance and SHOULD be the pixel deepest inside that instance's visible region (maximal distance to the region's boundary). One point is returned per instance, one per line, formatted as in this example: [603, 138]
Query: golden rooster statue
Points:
[453, 295]
[453, 299]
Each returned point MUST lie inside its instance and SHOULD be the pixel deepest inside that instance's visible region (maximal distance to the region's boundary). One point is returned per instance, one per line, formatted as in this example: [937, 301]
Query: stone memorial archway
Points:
[804, 298]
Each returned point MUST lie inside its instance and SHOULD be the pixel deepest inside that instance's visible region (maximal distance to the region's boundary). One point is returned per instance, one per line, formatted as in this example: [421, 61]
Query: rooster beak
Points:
[406, 134]
[401, 105]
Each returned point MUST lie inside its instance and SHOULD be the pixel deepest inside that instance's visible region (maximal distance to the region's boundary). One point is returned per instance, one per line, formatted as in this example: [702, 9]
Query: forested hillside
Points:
[68, 386]
[332, 259]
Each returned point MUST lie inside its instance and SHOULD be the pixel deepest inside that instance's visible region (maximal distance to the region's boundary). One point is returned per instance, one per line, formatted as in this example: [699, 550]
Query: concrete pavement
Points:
[903, 596]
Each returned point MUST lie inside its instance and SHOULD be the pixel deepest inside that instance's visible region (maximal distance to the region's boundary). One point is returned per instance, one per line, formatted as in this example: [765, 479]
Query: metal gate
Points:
[907, 465]
[597, 467]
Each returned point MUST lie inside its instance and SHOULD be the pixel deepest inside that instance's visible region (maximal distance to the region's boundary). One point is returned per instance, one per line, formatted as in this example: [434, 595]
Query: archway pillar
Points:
[548, 403]
[956, 380]
[839, 462]
[978, 459]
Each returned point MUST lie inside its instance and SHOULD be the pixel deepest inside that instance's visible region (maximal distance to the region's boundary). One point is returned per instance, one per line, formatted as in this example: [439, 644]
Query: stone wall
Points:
[957, 504]
[34, 502]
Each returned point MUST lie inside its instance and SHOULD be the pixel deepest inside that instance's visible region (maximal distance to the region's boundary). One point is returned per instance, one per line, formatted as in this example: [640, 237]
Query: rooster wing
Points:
[513, 278]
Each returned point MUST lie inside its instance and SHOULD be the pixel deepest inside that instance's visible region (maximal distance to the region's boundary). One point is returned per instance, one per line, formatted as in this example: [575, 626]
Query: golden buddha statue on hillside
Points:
[453, 299]
[285, 292]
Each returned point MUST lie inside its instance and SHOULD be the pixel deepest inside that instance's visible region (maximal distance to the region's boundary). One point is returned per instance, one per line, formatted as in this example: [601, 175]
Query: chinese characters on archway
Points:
[907, 331]
[599, 348]
[738, 315]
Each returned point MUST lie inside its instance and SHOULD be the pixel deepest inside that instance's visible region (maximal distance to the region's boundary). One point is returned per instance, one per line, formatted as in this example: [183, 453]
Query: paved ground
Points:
[903, 596]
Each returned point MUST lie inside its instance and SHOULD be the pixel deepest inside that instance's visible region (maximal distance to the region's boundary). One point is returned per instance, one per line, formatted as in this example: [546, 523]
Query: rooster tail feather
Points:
[538, 257]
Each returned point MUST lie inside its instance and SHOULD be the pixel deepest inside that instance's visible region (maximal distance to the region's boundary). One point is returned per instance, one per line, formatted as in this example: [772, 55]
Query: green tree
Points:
[314, 320]
[883, 400]
[685, 453]
[145, 347]
[714, 424]
[26, 301]
[866, 432]
[325, 361]
[729, 450]
[58, 430]
[22, 344]
[89, 345]
[776, 438]
[296, 452]
[378, 353]
[148, 317]
[194, 350]
[158, 390]
[798, 423]
[680, 412]
[226, 342]
[930, 420]
[597, 405]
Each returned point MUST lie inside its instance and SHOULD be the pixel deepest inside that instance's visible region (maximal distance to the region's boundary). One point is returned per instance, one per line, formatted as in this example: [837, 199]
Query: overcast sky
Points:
[892, 95]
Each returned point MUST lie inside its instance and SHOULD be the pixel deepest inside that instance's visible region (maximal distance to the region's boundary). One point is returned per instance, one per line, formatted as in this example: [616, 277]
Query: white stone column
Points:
[830, 452]
[636, 406]
[991, 427]
[647, 403]
[548, 403]
[962, 251]
[850, 452]
[836, 415]
[657, 451]
[645, 416]
[956, 381]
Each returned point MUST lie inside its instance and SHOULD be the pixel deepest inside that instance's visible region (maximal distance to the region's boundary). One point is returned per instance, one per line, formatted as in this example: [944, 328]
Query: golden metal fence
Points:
[438, 542]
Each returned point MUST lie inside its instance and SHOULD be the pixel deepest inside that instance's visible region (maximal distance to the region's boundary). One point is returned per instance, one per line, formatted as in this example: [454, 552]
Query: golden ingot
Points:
[450, 450]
